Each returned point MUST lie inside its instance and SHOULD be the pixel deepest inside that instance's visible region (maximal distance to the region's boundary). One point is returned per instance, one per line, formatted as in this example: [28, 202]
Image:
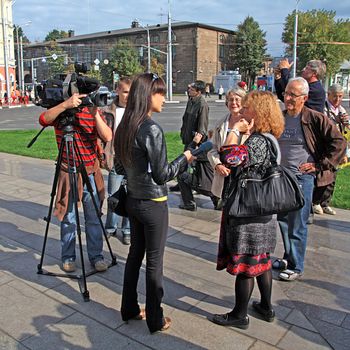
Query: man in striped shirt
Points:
[88, 124]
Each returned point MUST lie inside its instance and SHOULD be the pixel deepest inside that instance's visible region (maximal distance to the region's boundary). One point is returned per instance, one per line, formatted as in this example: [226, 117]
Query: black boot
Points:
[188, 206]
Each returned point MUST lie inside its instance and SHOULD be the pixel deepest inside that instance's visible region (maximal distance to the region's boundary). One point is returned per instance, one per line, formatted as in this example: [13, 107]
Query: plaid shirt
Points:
[85, 135]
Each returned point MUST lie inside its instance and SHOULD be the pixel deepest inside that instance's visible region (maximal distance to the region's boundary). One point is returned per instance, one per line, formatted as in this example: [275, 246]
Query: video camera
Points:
[54, 91]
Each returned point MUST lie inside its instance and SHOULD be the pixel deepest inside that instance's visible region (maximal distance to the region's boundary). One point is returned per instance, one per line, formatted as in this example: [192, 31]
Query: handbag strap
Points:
[273, 147]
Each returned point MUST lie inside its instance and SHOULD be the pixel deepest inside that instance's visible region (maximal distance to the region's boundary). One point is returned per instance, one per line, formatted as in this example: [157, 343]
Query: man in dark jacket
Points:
[311, 147]
[195, 118]
[313, 72]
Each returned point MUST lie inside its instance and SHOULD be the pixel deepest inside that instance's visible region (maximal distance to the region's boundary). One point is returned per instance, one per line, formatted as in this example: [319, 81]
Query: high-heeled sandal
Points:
[141, 316]
[167, 323]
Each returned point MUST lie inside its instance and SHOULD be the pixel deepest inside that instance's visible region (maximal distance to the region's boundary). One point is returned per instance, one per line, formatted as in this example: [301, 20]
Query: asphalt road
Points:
[170, 118]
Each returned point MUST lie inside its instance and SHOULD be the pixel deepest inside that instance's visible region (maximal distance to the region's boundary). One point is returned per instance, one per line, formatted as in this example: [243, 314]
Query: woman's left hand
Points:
[243, 126]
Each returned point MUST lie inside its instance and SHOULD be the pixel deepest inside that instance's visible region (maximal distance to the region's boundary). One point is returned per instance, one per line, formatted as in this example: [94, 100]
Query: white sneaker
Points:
[329, 210]
[317, 209]
[100, 266]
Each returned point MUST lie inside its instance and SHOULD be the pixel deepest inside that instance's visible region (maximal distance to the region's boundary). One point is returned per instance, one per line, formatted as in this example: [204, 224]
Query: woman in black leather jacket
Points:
[140, 146]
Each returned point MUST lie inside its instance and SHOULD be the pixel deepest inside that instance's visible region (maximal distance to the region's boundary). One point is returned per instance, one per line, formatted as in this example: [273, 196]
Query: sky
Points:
[91, 16]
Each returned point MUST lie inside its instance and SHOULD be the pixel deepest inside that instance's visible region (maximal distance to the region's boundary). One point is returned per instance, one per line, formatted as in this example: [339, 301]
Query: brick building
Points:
[199, 51]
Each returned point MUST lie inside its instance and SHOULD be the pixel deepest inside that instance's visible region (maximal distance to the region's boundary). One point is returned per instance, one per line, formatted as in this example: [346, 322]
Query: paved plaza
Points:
[44, 312]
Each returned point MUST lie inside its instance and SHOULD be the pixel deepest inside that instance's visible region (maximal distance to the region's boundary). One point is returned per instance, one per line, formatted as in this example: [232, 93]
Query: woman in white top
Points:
[233, 103]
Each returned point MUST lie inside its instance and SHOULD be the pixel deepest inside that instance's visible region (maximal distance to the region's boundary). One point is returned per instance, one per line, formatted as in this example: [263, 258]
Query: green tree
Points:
[20, 34]
[58, 65]
[249, 49]
[319, 35]
[93, 73]
[157, 67]
[124, 60]
[56, 34]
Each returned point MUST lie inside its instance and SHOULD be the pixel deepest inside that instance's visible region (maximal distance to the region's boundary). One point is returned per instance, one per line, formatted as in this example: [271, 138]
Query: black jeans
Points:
[185, 184]
[148, 229]
[323, 195]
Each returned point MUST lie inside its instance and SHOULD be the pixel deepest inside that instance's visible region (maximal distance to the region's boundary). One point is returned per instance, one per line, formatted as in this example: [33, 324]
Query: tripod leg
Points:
[86, 181]
[48, 217]
[75, 199]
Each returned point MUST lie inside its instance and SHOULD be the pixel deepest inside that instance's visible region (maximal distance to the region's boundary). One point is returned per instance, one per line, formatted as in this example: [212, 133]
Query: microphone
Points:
[205, 147]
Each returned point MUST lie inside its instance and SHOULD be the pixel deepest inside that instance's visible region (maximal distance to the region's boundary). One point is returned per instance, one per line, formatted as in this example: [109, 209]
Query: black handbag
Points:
[117, 201]
[278, 191]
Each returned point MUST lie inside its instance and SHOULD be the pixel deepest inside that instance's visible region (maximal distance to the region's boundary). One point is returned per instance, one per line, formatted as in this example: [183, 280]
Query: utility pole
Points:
[18, 63]
[295, 39]
[170, 57]
[5, 41]
[148, 51]
[22, 66]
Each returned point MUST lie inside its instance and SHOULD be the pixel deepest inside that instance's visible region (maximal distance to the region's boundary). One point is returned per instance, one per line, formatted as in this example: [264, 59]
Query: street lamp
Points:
[295, 39]
[170, 56]
[148, 47]
[148, 51]
[20, 57]
[167, 59]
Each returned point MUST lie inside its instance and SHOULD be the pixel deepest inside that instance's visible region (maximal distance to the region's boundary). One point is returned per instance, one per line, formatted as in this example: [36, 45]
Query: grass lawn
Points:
[15, 142]
[341, 196]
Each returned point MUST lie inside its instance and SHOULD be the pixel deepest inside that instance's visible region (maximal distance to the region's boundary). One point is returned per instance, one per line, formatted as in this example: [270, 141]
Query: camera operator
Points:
[87, 125]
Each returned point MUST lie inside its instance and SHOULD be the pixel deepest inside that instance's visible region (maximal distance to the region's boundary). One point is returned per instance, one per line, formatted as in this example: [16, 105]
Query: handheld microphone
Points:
[205, 147]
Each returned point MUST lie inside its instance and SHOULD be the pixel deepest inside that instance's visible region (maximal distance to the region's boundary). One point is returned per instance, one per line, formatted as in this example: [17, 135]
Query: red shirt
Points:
[85, 135]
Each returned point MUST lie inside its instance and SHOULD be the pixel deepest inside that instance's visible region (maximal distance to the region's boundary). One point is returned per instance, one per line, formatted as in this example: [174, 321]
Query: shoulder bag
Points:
[117, 201]
[278, 191]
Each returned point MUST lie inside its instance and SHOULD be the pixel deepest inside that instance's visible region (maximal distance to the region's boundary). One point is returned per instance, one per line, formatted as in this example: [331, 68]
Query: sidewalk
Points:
[43, 312]
[22, 105]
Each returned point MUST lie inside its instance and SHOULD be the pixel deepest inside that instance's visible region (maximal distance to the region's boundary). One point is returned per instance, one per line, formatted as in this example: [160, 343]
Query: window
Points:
[173, 51]
[87, 56]
[221, 51]
[155, 38]
[140, 40]
[99, 55]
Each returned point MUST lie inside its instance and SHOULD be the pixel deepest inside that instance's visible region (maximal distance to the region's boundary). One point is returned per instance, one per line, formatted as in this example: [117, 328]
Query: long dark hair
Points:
[136, 111]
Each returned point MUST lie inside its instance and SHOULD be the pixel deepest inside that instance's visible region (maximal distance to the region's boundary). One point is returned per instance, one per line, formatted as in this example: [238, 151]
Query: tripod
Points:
[70, 148]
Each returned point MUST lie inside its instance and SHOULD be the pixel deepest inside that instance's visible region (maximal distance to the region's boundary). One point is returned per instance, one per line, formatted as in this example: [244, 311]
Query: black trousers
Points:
[323, 195]
[148, 229]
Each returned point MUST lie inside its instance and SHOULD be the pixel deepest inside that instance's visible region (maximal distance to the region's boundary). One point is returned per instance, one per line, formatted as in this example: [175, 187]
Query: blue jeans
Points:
[294, 227]
[93, 228]
[114, 181]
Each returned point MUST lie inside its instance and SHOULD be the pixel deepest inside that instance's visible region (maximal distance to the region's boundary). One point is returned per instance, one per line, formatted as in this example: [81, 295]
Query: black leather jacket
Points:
[149, 172]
